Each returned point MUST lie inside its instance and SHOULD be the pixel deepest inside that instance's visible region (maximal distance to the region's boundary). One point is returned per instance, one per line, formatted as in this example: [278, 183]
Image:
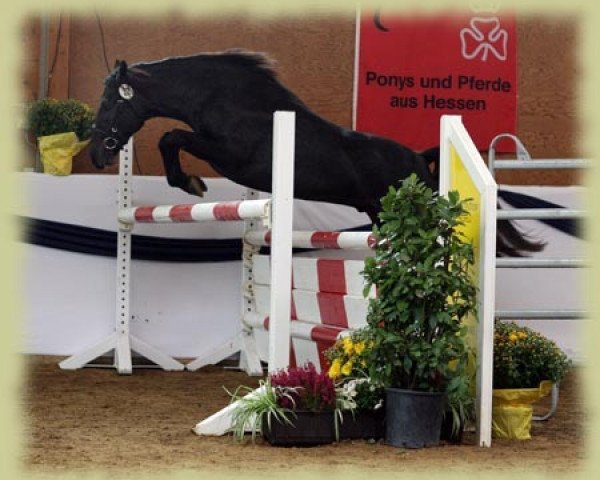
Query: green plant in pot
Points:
[62, 129]
[422, 272]
[526, 365]
[460, 408]
[359, 399]
[257, 407]
[292, 407]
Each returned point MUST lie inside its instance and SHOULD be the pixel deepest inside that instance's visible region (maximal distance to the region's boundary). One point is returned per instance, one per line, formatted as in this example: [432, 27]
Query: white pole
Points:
[281, 249]
[123, 349]
[487, 307]
[454, 135]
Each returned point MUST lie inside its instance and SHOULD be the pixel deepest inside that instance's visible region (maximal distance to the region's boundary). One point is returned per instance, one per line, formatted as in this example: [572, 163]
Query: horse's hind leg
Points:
[170, 144]
[373, 213]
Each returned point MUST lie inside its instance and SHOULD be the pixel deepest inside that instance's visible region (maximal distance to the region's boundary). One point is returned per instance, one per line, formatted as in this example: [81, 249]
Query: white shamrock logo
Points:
[484, 36]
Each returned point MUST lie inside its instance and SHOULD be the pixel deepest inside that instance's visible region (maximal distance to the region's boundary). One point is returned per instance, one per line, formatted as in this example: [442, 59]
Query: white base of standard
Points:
[249, 359]
[221, 422]
[122, 346]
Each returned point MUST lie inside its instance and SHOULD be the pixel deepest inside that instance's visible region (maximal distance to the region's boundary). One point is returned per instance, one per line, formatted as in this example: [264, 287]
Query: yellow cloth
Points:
[512, 411]
[57, 152]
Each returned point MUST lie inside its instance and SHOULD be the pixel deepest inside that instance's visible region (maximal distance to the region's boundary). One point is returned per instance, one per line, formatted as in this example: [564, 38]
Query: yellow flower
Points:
[513, 337]
[522, 335]
[334, 369]
[348, 346]
[347, 369]
[359, 347]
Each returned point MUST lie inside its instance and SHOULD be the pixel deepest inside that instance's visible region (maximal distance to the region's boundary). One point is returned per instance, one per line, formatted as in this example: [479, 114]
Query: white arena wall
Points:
[186, 309]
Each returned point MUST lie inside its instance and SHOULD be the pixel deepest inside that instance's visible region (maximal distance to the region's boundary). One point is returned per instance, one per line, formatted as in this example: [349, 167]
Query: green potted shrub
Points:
[293, 407]
[359, 398]
[422, 271]
[526, 365]
[62, 129]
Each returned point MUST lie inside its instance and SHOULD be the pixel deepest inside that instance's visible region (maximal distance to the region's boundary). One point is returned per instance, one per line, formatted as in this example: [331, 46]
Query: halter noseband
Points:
[110, 143]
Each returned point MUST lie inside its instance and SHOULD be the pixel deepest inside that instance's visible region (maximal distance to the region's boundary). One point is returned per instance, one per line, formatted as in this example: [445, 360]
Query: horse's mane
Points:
[244, 58]
[241, 60]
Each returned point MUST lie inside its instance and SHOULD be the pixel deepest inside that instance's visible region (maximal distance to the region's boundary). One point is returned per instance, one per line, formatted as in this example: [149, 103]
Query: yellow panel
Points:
[461, 181]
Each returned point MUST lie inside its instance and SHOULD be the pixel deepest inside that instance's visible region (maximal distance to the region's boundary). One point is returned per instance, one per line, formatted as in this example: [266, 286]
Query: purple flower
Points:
[308, 388]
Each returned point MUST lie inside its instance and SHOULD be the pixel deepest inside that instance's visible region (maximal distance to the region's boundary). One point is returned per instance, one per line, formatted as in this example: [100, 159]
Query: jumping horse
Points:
[228, 100]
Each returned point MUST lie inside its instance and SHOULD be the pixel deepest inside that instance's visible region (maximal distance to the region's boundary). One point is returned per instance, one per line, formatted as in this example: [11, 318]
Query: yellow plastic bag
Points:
[57, 152]
[512, 411]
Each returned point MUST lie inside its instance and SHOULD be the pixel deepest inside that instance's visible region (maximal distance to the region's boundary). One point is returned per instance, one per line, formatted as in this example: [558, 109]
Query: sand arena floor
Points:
[95, 419]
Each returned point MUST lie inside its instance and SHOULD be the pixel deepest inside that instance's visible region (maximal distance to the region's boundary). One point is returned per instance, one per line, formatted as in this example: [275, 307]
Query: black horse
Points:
[228, 100]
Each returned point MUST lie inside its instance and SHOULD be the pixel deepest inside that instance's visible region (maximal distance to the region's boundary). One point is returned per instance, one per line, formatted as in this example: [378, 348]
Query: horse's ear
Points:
[117, 63]
[122, 72]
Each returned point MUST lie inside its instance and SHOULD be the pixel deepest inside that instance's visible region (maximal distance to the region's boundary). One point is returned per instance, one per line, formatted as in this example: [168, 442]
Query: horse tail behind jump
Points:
[510, 241]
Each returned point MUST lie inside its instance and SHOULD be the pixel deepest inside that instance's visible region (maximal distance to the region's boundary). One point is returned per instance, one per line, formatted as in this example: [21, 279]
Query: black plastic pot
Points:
[364, 424]
[309, 429]
[413, 419]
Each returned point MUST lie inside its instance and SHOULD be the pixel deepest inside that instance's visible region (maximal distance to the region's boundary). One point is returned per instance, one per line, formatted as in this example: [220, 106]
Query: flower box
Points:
[364, 424]
[309, 429]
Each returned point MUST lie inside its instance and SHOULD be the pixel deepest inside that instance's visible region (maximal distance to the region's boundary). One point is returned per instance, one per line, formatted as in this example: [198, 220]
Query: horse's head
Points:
[120, 115]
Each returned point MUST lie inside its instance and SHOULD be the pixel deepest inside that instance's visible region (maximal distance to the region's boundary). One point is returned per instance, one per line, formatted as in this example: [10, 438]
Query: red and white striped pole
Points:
[199, 212]
[300, 329]
[316, 239]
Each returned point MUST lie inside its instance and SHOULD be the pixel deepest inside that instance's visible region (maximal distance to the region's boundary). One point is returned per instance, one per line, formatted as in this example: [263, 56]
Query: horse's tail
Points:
[569, 226]
[510, 241]
[432, 158]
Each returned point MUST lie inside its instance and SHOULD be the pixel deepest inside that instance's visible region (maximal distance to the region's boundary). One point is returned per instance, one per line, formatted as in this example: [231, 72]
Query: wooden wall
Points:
[315, 58]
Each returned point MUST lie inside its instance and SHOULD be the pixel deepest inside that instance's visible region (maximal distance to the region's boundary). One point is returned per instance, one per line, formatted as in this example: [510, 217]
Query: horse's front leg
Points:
[170, 144]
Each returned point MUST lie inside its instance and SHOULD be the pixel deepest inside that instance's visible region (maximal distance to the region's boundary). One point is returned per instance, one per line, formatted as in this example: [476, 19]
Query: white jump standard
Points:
[121, 341]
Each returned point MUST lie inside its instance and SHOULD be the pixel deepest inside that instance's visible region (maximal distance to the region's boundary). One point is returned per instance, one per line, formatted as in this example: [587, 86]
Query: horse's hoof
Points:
[196, 186]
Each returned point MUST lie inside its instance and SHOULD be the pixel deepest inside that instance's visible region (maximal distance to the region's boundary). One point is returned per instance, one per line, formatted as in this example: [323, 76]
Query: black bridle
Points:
[111, 140]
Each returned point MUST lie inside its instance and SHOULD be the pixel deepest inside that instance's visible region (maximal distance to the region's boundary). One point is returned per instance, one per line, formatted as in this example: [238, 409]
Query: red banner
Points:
[412, 70]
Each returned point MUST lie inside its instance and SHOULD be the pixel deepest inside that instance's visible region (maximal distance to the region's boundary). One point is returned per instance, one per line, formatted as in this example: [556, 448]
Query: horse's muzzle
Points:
[100, 155]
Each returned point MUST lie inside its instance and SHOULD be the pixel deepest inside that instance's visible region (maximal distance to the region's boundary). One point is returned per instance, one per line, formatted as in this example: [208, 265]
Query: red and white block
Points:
[318, 274]
[198, 212]
[327, 303]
